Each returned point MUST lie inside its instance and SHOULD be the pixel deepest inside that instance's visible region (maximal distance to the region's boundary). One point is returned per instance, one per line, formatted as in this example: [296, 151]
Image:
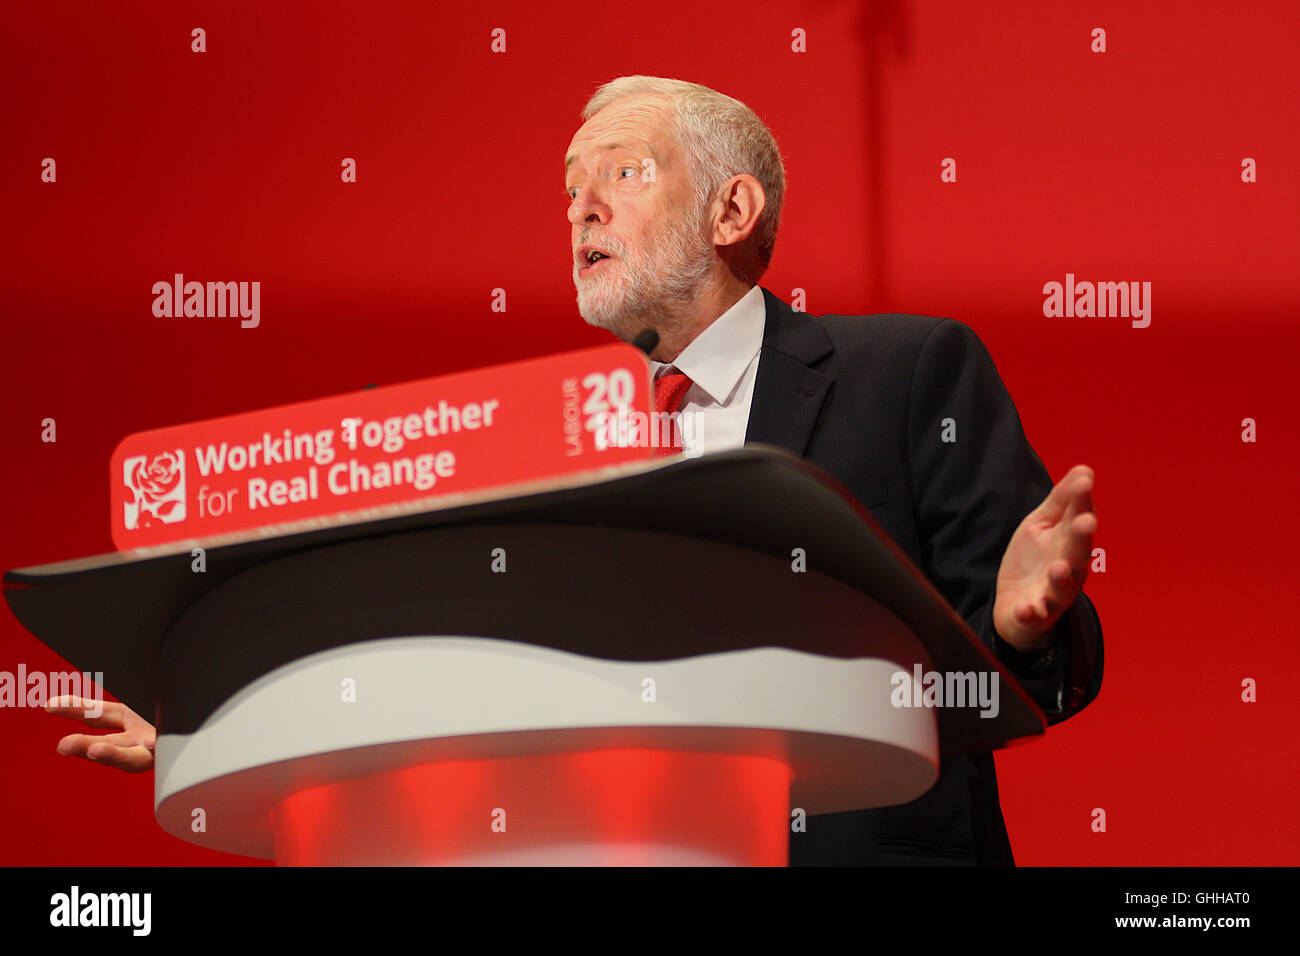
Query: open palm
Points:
[1046, 562]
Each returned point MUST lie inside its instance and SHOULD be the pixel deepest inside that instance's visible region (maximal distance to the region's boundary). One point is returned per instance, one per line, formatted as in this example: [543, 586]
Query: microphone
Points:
[647, 341]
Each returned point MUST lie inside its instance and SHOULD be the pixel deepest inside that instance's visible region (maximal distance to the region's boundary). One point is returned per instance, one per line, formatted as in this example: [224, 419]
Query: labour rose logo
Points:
[155, 489]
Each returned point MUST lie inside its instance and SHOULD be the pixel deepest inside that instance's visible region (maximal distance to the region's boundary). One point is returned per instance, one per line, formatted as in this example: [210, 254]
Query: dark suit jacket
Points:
[863, 397]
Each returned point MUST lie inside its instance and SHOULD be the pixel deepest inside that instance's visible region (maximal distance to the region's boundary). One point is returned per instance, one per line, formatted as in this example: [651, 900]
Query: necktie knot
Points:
[670, 389]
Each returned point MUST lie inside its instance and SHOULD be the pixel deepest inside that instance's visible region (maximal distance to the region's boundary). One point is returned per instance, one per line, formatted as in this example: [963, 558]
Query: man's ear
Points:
[742, 200]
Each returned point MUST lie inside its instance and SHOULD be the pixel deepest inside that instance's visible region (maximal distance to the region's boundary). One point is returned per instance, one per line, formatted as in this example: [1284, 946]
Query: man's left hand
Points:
[1045, 565]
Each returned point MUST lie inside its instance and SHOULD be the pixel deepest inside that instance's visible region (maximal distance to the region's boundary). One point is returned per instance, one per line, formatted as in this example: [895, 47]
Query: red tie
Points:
[670, 389]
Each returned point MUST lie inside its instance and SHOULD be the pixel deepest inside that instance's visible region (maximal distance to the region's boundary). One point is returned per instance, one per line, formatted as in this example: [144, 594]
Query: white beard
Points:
[640, 290]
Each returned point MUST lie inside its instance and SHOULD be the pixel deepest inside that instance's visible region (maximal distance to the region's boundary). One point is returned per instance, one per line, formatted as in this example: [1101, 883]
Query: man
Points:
[675, 195]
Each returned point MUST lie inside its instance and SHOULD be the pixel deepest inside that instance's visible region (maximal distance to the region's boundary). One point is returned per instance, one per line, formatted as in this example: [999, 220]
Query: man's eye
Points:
[635, 170]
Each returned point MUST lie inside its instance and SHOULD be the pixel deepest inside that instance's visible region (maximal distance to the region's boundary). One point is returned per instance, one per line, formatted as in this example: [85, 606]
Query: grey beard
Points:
[660, 286]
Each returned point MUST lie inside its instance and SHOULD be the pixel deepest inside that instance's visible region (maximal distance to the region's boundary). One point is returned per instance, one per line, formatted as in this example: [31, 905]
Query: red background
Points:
[1117, 166]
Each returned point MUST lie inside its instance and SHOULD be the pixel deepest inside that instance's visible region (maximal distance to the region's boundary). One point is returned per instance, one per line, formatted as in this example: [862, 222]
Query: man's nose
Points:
[587, 207]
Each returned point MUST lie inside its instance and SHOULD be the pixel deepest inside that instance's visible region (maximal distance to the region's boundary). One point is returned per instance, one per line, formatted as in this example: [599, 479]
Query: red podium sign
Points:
[379, 447]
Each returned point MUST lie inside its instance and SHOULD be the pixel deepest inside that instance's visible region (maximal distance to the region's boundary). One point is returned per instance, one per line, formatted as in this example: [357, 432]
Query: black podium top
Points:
[420, 569]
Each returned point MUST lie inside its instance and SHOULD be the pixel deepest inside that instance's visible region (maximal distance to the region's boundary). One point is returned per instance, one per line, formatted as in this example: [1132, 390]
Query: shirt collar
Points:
[716, 359]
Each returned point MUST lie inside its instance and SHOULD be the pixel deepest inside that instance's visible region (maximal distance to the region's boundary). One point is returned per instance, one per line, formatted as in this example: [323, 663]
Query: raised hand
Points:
[1046, 562]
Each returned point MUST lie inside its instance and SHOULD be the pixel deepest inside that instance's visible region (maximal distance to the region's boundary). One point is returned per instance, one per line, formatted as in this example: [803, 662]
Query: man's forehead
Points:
[635, 124]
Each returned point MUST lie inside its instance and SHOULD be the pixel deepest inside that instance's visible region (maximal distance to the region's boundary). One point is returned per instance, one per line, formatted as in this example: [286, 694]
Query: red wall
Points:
[1116, 166]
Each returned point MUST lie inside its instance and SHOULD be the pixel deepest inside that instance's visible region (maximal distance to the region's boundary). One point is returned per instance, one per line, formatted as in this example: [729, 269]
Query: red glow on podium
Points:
[607, 807]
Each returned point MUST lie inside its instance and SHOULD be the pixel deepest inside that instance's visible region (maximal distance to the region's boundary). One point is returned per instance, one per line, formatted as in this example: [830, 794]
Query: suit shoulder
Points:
[892, 331]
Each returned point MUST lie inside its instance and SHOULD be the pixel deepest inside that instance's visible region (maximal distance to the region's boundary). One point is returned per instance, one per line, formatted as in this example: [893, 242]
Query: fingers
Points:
[1039, 613]
[1034, 613]
[1071, 556]
[114, 750]
[79, 744]
[131, 759]
[1081, 481]
[1071, 495]
[1042, 610]
[1060, 577]
[1066, 576]
[1032, 620]
[78, 708]
[1071, 543]
[131, 750]
[1065, 580]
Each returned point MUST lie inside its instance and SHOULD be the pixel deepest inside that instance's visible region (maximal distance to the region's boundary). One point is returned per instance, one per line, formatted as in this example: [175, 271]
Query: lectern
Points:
[663, 662]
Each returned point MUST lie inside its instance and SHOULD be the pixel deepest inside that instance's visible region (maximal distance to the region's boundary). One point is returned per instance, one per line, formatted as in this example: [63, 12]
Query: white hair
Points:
[722, 137]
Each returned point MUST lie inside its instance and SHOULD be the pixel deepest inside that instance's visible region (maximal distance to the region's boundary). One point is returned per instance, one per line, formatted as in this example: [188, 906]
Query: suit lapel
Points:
[788, 393]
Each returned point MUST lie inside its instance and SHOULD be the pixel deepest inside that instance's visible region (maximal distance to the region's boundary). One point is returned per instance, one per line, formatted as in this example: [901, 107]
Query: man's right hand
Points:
[131, 750]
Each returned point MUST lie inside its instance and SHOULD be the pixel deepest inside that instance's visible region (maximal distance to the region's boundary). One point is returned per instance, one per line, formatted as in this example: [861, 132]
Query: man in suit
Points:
[674, 201]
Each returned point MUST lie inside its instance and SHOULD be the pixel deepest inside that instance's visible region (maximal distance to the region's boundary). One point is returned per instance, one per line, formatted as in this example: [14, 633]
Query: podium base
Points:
[663, 808]
[447, 730]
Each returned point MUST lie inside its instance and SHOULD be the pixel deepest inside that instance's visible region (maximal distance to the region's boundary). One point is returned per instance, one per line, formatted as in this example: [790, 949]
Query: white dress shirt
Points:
[722, 364]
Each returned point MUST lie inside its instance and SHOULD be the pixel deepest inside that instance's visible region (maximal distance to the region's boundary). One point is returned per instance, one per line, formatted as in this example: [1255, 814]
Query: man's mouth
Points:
[590, 259]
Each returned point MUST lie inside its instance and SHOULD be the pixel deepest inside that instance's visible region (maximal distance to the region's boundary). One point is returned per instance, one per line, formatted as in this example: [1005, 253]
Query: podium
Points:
[666, 662]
